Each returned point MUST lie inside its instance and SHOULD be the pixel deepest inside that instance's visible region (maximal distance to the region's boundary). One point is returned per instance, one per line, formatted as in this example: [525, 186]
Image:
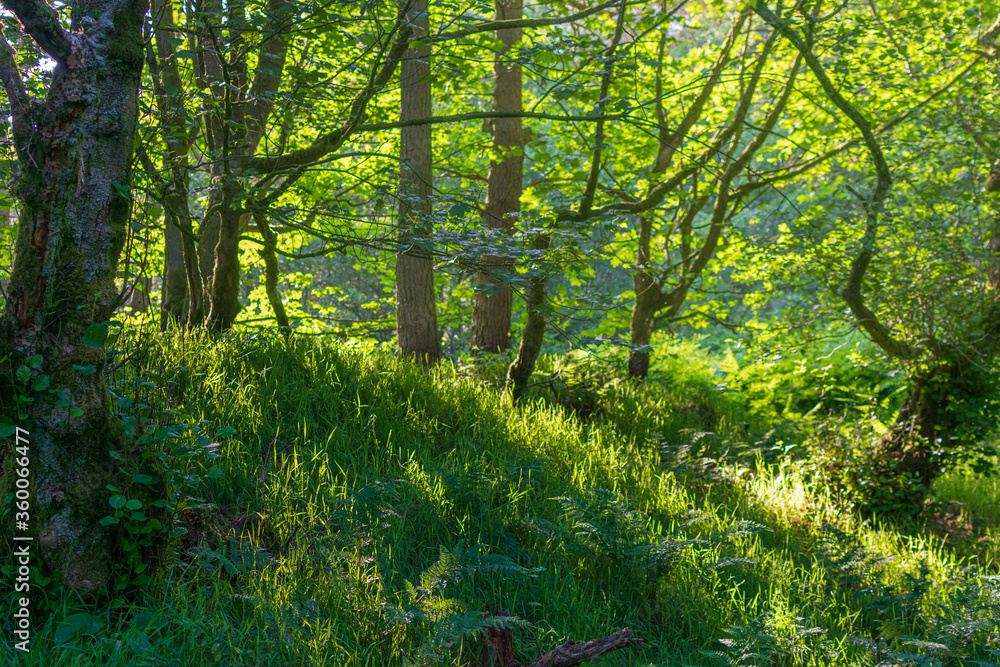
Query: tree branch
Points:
[490, 26]
[270, 65]
[41, 22]
[851, 293]
[331, 141]
[590, 190]
[21, 104]
[576, 653]
[485, 115]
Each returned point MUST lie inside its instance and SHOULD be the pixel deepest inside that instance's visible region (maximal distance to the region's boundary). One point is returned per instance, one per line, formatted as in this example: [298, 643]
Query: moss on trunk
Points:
[75, 205]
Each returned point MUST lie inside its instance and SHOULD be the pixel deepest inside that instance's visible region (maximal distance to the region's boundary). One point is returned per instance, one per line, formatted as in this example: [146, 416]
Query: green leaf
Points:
[41, 383]
[225, 432]
[85, 370]
[118, 501]
[133, 504]
[35, 361]
[23, 373]
[77, 623]
[95, 335]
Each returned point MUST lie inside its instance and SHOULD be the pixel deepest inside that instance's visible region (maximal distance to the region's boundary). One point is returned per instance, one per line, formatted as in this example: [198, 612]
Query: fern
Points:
[234, 556]
[444, 622]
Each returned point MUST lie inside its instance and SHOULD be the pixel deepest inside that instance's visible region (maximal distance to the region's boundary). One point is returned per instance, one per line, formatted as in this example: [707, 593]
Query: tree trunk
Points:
[416, 307]
[226, 306]
[533, 335]
[75, 152]
[137, 296]
[933, 419]
[173, 291]
[491, 312]
[267, 253]
[184, 291]
[647, 302]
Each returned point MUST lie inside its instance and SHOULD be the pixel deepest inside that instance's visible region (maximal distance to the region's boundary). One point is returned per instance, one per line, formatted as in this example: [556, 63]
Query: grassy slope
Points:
[358, 473]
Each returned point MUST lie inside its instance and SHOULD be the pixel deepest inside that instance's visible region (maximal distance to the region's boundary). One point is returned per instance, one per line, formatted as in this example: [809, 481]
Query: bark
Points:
[498, 648]
[573, 653]
[993, 187]
[173, 291]
[933, 423]
[74, 173]
[137, 296]
[416, 307]
[271, 271]
[491, 313]
[647, 302]
[533, 335]
[179, 235]
[922, 427]
[231, 137]
[656, 300]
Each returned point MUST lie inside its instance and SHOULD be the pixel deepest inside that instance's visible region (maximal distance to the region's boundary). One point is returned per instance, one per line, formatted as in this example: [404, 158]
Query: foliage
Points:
[350, 471]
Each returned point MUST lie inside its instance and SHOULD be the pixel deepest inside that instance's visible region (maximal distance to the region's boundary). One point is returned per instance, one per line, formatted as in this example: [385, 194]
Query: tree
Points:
[240, 126]
[938, 317]
[416, 305]
[493, 301]
[74, 151]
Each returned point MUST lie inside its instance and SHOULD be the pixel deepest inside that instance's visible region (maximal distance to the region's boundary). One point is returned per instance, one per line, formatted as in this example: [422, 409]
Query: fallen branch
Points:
[576, 653]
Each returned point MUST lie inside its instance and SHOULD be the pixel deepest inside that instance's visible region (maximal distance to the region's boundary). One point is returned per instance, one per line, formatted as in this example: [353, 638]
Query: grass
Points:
[367, 512]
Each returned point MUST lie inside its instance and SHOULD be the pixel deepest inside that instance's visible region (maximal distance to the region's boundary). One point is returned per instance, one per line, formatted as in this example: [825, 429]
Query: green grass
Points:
[360, 492]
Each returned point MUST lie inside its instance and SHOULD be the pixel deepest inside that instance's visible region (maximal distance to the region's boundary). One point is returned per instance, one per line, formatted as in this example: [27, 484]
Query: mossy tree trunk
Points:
[533, 335]
[491, 312]
[173, 289]
[74, 155]
[648, 294]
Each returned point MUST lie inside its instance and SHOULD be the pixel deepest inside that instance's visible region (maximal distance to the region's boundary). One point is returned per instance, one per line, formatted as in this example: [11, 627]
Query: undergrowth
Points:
[369, 512]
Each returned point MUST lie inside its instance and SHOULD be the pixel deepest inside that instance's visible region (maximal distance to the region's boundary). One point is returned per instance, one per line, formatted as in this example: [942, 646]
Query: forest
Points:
[500, 333]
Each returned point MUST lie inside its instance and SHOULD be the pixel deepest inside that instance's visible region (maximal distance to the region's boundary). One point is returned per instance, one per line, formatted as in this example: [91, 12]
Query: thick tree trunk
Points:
[533, 335]
[173, 291]
[75, 152]
[491, 313]
[416, 306]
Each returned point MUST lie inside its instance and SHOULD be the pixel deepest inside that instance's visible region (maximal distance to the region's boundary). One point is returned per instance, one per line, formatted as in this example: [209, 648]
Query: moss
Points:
[125, 43]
